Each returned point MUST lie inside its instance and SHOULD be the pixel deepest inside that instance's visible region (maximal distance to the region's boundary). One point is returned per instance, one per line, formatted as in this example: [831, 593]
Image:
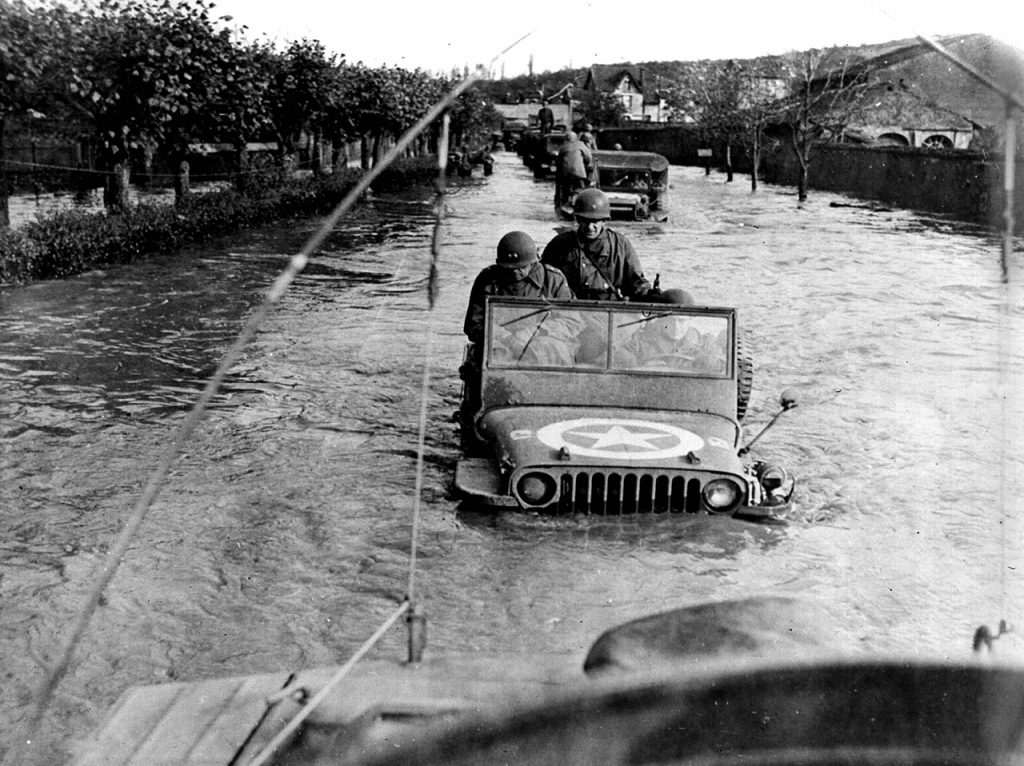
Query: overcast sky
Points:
[416, 33]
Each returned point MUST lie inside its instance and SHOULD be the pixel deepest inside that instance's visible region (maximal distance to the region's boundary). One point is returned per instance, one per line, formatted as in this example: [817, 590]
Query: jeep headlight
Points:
[721, 495]
[536, 488]
[772, 477]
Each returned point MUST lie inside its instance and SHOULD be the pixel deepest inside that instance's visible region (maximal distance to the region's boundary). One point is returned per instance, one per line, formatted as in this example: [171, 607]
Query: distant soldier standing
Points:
[546, 118]
[587, 137]
[573, 168]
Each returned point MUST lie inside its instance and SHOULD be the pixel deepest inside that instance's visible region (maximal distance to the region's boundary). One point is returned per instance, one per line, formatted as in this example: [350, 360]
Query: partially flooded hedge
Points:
[70, 242]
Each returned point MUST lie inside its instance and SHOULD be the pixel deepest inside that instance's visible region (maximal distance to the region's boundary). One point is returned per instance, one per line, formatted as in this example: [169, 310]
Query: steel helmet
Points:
[592, 204]
[516, 249]
[676, 296]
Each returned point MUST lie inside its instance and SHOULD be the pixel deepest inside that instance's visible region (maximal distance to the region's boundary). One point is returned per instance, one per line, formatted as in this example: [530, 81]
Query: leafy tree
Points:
[385, 101]
[337, 119]
[367, 89]
[473, 117]
[26, 63]
[600, 109]
[301, 80]
[135, 71]
[408, 97]
[238, 111]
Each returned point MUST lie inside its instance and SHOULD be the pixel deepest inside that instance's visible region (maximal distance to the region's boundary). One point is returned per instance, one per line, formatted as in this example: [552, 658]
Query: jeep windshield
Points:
[609, 337]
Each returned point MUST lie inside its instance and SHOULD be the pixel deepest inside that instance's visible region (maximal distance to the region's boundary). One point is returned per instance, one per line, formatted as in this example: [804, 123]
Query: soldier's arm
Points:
[633, 274]
[474, 324]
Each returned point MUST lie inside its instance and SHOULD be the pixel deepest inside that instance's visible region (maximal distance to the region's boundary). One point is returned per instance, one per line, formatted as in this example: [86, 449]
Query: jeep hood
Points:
[627, 438]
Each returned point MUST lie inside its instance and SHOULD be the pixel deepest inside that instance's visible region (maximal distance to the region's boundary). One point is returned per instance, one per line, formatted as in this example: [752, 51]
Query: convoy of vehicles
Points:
[608, 407]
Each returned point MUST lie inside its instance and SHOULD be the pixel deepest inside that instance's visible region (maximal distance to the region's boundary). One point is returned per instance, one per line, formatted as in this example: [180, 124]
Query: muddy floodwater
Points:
[281, 537]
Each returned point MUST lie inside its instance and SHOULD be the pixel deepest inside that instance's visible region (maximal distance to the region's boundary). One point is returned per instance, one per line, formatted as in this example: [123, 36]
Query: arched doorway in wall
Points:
[937, 142]
[892, 139]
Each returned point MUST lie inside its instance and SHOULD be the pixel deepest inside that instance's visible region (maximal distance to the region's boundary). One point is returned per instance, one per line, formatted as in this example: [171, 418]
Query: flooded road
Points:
[281, 538]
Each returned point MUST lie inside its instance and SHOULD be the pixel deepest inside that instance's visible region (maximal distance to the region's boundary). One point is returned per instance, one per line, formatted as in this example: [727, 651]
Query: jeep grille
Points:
[613, 493]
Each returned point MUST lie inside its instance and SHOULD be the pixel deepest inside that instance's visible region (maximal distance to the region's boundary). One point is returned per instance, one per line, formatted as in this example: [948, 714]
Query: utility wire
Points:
[107, 568]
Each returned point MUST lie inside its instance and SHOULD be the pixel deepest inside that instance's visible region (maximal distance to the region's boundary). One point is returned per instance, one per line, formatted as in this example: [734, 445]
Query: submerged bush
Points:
[70, 242]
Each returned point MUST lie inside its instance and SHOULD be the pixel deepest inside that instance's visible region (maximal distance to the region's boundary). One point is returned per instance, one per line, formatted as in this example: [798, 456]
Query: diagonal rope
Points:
[282, 736]
[435, 253]
[114, 558]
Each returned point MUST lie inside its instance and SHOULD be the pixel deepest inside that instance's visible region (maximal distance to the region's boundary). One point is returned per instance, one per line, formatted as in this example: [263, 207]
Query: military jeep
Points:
[608, 407]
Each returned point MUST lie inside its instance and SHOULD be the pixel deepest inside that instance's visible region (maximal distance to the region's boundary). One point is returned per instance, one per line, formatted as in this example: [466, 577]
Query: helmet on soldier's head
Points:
[516, 249]
[592, 205]
[676, 296]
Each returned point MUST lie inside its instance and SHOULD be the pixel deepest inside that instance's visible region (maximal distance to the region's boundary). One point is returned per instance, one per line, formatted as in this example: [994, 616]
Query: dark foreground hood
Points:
[627, 438]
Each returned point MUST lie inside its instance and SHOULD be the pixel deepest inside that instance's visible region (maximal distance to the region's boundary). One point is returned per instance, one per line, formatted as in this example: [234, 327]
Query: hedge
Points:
[67, 243]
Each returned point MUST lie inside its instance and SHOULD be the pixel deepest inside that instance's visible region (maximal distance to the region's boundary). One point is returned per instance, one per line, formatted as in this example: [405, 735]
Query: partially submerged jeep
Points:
[636, 183]
[608, 407]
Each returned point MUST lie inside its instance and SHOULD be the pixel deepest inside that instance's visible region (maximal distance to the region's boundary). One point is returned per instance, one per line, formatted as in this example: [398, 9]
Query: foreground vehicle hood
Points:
[625, 438]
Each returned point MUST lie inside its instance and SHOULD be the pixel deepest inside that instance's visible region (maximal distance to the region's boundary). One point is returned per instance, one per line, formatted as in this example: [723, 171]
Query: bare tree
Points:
[709, 94]
[825, 91]
[759, 108]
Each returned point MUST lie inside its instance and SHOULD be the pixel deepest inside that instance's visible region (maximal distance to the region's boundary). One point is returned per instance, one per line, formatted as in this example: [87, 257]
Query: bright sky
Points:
[454, 33]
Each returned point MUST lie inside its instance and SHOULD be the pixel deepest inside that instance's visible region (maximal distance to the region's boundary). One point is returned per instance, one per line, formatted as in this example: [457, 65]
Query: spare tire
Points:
[744, 379]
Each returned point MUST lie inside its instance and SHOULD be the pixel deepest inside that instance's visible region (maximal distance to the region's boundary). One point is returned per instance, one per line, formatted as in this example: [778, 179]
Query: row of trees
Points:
[141, 77]
[799, 98]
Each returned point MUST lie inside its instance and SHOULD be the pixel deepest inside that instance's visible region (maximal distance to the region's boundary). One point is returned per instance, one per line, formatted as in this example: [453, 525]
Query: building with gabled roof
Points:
[917, 97]
[627, 83]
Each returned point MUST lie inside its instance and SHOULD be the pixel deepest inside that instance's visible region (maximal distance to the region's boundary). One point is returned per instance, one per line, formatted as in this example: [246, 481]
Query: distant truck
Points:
[608, 407]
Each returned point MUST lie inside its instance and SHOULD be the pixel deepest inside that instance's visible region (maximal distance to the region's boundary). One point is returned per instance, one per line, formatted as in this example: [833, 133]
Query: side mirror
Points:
[787, 400]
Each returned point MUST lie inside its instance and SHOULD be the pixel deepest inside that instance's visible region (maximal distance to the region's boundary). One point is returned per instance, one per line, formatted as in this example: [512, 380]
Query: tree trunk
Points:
[241, 167]
[378, 148]
[316, 159]
[115, 188]
[801, 148]
[339, 153]
[728, 162]
[755, 161]
[148, 150]
[5, 212]
[82, 180]
[181, 181]
[364, 151]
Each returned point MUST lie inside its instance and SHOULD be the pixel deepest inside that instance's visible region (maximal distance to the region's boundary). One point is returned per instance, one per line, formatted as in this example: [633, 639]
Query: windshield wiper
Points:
[545, 310]
[533, 335]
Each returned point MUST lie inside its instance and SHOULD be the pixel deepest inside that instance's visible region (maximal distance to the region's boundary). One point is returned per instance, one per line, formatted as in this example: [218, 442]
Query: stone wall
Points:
[965, 185]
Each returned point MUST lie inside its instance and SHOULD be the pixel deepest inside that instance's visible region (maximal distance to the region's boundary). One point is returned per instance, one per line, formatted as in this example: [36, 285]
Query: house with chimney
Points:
[641, 101]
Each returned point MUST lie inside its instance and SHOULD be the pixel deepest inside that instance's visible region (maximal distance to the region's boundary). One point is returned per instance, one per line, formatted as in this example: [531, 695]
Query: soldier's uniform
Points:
[542, 281]
[590, 265]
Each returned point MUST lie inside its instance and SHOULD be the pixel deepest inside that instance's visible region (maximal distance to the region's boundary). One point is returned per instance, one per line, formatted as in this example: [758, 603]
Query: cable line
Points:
[106, 570]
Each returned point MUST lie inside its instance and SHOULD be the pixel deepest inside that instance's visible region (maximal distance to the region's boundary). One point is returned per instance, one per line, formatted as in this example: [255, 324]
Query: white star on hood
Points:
[618, 436]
